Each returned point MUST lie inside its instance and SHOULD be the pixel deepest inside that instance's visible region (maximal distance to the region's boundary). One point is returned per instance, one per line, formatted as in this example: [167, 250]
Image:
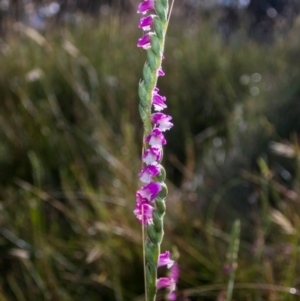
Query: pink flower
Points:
[175, 272]
[162, 121]
[166, 282]
[143, 212]
[146, 22]
[145, 6]
[172, 296]
[164, 259]
[158, 101]
[152, 155]
[143, 209]
[148, 192]
[144, 41]
[169, 282]
[156, 138]
[160, 72]
[149, 172]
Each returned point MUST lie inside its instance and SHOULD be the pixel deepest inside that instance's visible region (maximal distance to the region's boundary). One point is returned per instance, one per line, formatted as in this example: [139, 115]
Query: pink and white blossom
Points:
[149, 172]
[149, 192]
[146, 22]
[145, 6]
[164, 259]
[152, 155]
[156, 138]
[162, 121]
[158, 101]
[143, 212]
[145, 41]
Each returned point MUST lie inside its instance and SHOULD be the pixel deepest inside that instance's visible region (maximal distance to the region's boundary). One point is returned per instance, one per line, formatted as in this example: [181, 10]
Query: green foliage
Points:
[69, 155]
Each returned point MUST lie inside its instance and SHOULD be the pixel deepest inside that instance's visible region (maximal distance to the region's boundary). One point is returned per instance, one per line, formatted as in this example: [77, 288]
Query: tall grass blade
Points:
[232, 256]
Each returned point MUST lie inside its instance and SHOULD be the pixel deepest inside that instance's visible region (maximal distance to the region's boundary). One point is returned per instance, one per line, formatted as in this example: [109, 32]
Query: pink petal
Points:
[156, 138]
[144, 41]
[146, 22]
[146, 6]
[149, 172]
[152, 155]
[164, 259]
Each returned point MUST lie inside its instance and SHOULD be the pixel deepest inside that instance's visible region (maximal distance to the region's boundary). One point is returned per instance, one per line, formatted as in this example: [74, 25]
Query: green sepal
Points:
[160, 206]
[161, 10]
[143, 93]
[162, 155]
[151, 286]
[157, 221]
[147, 74]
[147, 125]
[158, 28]
[162, 175]
[143, 112]
[155, 45]
[149, 275]
[148, 272]
[152, 234]
[149, 253]
[163, 193]
[151, 58]
[165, 3]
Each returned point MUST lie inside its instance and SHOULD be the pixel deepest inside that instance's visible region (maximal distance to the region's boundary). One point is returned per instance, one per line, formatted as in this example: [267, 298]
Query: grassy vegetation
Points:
[70, 144]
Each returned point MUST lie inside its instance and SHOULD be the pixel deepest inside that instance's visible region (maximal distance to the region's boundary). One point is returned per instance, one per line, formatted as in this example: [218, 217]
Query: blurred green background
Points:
[70, 147]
